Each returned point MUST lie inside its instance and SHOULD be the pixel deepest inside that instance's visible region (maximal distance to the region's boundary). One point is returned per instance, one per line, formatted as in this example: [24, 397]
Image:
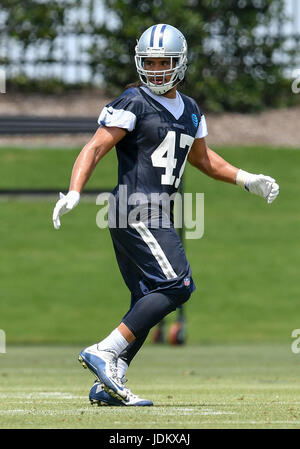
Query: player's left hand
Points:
[261, 185]
[64, 205]
[264, 186]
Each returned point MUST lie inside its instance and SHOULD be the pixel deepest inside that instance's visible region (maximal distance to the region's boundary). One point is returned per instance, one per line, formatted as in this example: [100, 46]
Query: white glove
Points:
[261, 185]
[64, 205]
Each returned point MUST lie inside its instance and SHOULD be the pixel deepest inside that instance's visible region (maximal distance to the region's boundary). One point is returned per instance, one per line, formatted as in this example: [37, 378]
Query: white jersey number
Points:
[164, 156]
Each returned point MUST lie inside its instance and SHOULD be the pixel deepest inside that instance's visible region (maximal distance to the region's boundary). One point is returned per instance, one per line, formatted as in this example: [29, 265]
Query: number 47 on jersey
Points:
[164, 157]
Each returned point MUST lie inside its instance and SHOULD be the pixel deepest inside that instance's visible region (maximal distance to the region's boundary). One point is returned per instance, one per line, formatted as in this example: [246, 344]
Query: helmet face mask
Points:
[161, 41]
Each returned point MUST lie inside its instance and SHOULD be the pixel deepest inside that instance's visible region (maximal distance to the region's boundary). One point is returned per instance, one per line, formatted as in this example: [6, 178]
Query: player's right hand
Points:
[64, 205]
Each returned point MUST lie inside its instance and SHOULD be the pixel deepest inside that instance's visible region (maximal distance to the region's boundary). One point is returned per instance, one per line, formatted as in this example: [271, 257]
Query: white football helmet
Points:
[160, 41]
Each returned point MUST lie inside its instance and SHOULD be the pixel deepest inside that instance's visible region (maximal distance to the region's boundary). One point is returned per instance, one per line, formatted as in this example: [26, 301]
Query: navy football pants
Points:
[156, 271]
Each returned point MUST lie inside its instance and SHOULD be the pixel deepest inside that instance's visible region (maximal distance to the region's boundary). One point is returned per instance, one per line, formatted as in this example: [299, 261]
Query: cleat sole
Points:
[80, 360]
[112, 393]
[100, 403]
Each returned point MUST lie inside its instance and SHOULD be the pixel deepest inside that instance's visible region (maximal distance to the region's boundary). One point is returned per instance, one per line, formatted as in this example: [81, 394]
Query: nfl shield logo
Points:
[186, 282]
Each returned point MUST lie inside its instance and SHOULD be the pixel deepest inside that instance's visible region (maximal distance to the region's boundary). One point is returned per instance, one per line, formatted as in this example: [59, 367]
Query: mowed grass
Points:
[63, 289]
[48, 168]
[192, 387]
[64, 286]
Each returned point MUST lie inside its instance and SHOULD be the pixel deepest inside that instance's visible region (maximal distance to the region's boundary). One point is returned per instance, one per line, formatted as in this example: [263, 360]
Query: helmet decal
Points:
[157, 33]
[152, 35]
[161, 35]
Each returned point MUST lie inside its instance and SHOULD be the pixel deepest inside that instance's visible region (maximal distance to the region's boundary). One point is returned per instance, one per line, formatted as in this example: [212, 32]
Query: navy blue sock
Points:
[129, 353]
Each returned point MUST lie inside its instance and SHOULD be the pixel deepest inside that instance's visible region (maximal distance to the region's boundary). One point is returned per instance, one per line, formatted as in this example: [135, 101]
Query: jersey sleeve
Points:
[202, 128]
[122, 113]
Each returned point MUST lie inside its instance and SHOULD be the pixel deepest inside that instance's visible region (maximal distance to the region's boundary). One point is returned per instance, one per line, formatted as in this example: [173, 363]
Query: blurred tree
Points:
[32, 20]
[31, 25]
[237, 53]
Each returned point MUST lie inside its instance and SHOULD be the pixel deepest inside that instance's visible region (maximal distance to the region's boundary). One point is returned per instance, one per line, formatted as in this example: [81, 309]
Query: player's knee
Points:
[181, 298]
[184, 291]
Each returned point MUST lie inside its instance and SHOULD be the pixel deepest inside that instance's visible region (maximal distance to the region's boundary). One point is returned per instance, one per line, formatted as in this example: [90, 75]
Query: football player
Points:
[155, 130]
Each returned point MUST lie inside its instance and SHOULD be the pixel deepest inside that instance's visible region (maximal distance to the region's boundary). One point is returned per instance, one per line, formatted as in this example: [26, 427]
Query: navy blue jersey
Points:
[153, 153]
[151, 157]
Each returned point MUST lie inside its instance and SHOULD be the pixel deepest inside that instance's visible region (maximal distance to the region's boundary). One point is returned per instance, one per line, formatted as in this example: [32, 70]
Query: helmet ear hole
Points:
[175, 62]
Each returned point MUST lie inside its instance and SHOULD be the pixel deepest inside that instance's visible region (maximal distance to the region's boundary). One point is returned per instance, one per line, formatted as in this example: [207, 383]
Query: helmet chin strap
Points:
[160, 90]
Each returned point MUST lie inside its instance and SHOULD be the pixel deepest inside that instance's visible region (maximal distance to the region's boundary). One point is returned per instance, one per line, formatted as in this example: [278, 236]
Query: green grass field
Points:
[192, 387]
[64, 288]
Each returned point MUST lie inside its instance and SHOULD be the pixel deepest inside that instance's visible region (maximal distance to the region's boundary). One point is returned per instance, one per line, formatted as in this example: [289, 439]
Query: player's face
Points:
[158, 65]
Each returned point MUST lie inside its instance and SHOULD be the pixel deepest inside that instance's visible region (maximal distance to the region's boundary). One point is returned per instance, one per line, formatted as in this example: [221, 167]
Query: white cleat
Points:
[104, 365]
[133, 399]
[99, 396]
